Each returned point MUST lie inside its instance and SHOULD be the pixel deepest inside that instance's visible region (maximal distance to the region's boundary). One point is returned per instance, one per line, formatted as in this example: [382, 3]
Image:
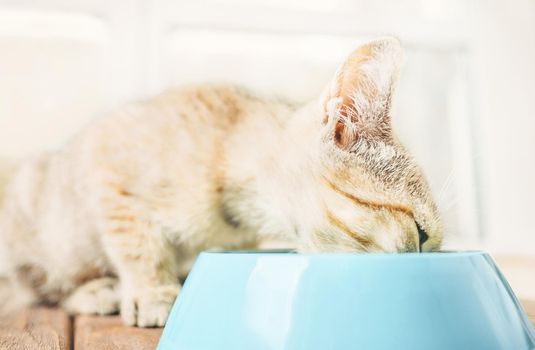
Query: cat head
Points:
[374, 196]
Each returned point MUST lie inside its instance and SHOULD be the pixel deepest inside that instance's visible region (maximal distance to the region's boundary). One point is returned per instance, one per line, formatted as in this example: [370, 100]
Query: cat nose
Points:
[422, 236]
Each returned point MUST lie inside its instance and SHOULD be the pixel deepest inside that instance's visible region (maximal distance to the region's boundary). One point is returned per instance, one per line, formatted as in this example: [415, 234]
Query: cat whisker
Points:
[445, 186]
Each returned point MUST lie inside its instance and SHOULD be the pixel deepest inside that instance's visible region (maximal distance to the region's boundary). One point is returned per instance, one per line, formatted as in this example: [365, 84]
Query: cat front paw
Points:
[149, 307]
[96, 297]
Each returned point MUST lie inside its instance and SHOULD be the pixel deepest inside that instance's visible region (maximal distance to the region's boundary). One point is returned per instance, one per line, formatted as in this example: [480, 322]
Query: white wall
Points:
[503, 45]
[65, 62]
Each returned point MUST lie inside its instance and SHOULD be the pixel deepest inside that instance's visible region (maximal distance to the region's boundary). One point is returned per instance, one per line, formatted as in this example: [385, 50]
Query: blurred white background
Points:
[466, 103]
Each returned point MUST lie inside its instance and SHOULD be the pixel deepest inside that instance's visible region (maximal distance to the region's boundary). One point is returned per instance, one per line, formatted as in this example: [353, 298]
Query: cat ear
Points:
[358, 101]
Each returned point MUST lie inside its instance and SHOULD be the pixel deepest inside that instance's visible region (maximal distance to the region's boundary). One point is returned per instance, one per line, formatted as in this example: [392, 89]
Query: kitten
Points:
[109, 222]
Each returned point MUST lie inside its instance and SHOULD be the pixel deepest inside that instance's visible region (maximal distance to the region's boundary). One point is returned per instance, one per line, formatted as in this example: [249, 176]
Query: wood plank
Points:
[107, 333]
[519, 273]
[36, 329]
[529, 307]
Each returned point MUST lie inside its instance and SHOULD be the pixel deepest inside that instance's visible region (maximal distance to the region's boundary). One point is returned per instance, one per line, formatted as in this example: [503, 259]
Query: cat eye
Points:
[422, 235]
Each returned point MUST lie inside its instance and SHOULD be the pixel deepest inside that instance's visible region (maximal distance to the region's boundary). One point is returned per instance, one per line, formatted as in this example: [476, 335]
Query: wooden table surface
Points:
[52, 329]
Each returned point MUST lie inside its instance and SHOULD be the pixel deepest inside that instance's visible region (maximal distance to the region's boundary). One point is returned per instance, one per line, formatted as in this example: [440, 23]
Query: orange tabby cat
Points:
[109, 222]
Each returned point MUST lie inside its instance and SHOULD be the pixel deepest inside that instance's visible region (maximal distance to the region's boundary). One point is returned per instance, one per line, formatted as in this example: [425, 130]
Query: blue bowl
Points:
[281, 300]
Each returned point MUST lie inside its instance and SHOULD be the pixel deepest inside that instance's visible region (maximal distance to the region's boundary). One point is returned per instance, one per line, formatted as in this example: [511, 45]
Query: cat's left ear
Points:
[358, 101]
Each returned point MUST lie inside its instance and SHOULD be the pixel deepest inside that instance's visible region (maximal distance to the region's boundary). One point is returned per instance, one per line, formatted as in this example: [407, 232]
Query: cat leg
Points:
[96, 297]
[14, 297]
[18, 281]
[148, 279]
[144, 260]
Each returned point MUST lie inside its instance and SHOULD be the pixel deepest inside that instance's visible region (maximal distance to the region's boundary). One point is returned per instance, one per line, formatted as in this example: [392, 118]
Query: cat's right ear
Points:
[358, 101]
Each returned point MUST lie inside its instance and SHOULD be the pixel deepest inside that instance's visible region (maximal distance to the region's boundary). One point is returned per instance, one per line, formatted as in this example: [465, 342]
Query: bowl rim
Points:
[446, 254]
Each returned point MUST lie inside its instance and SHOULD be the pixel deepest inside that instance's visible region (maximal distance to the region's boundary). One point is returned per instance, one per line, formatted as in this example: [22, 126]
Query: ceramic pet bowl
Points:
[289, 301]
